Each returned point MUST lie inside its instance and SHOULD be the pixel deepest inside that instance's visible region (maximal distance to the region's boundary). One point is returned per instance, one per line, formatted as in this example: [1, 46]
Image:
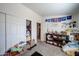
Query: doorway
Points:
[38, 31]
[28, 27]
[28, 33]
[29, 41]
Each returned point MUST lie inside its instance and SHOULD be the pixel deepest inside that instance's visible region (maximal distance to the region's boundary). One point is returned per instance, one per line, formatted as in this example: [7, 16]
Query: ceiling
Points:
[53, 9]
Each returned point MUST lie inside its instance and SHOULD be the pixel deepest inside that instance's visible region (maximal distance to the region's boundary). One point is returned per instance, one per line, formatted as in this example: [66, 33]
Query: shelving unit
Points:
[56, 39]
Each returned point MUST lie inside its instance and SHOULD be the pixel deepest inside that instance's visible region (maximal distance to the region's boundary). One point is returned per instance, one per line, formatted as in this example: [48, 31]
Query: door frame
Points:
[37, 31]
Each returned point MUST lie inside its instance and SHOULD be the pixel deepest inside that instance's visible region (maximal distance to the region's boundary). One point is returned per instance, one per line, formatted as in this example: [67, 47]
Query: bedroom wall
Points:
[55, 26]
[16, 15]
[52, 26]
[76, 17]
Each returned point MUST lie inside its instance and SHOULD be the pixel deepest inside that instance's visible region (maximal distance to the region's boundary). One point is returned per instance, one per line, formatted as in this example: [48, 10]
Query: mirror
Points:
[29, 41]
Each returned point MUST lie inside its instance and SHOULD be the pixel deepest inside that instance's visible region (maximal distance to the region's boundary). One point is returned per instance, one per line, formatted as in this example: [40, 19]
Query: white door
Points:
[2, 33]
[15, 30]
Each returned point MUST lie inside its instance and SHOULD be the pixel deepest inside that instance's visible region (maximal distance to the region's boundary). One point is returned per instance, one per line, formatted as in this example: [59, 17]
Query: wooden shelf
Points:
[56, 39]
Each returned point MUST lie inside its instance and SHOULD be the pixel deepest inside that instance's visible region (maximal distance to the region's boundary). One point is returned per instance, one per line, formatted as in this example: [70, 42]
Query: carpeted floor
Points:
[45, 50]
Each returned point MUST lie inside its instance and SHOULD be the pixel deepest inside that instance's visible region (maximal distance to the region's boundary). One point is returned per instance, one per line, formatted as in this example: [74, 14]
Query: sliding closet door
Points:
[2, 33]
[15, 28]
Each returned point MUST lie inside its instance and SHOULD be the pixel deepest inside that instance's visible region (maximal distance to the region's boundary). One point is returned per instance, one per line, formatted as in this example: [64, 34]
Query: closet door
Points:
[2, 33]
[15, 30]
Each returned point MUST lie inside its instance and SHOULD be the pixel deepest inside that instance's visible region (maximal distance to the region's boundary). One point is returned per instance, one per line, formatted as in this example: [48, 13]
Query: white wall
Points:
[52, 26]
[56, 26]
[16, 17]
[76, 17]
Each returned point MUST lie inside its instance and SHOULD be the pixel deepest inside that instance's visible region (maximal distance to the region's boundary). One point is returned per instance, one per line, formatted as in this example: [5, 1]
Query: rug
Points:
[36, 54]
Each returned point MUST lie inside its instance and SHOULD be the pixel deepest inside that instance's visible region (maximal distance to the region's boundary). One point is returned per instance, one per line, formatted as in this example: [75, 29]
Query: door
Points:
[28, 33]
[28, 29]
[15, 30]
[2, 33]
[38, 31]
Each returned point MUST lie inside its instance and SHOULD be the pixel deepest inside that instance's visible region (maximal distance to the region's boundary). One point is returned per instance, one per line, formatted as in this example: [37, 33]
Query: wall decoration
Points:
[59, 19]
[69, 17]
[72, 24]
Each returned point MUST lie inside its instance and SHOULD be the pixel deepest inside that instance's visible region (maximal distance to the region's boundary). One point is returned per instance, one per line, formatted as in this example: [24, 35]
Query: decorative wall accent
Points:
[59, 19]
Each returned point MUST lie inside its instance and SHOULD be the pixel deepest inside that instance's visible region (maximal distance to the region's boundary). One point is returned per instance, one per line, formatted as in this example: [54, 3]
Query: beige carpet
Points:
[45, 50]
